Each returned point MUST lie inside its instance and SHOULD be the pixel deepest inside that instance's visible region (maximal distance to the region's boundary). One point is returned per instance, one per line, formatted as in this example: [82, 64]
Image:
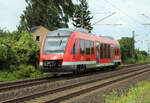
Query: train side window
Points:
[87, 47]
[118, 51]
[82, 47]
[92, 47]
[115, 51]
[105, 51]
[74, 49]
[101, 51]
[108, 51]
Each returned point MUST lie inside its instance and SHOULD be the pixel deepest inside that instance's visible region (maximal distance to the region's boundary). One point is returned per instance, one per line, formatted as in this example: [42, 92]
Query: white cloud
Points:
[10, 13]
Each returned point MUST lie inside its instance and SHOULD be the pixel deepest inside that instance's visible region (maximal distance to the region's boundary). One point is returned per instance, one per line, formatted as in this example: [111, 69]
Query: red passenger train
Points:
[75, 51]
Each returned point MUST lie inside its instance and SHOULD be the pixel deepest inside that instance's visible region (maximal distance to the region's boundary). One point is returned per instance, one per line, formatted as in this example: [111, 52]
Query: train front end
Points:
[53, 51]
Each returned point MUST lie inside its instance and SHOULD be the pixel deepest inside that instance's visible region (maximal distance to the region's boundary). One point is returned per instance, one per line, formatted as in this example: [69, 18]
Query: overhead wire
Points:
[103, 18]
[131, 18]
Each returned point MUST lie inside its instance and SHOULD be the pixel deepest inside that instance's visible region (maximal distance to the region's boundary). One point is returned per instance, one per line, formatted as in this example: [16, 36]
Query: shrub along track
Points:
[72, 90]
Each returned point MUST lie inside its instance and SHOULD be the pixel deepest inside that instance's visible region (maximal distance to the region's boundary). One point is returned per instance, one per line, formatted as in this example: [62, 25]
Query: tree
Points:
[51, 14]
[81, 16]
[126, 46]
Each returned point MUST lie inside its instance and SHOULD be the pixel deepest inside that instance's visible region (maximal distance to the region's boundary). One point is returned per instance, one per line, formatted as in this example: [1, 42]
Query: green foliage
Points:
[7, 52]
[19, 56]
[81, 16]
[126, 47]
[130, 61]
[6, 76]
[25, 71]
[140, 54]
[20, 72]
[140, 57]
[27, 49]
[18, 49]
[51, 14]
[139, 94]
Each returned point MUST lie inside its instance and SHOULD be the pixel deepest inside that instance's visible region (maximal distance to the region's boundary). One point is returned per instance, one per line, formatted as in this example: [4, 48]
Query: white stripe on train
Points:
[79, 62]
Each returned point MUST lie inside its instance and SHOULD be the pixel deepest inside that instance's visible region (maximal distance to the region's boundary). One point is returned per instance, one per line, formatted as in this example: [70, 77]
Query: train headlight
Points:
[41, 63]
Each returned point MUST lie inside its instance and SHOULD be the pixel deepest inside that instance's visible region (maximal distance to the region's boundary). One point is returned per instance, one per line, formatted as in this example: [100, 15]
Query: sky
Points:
[127, 17]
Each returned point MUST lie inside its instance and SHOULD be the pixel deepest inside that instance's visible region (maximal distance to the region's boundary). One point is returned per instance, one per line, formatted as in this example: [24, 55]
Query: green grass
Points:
[9, 76]
[121, 65]
[6, 76]
[139, 94]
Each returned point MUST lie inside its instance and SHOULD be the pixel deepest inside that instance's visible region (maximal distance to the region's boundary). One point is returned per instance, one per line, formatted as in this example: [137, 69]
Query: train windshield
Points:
[55, 45]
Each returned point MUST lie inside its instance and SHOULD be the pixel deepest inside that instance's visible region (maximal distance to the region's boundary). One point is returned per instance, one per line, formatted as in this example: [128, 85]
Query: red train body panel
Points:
[64, 51]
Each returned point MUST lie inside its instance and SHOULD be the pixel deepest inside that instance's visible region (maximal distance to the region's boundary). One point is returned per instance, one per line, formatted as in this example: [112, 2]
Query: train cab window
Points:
[105, 51]
[82, 47]
[108, 51]
[74, 49]
[92, 47]
[87, 47]
[101, 51]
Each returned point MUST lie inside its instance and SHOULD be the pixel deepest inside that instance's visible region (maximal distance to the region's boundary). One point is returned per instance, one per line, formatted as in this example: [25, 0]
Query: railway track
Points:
[5, 86]
[76, 89]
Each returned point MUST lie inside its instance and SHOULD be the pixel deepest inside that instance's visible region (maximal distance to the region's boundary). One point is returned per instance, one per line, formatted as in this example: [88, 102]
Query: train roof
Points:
[68, 32]
[59, 33]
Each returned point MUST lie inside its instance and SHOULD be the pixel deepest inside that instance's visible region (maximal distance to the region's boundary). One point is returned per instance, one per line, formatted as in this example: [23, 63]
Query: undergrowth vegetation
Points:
[139, 94]
[20, 72]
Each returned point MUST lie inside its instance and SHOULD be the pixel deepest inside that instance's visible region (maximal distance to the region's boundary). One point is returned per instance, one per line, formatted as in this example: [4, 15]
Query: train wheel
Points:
[55, 75]
[81, 69]
[114, 67]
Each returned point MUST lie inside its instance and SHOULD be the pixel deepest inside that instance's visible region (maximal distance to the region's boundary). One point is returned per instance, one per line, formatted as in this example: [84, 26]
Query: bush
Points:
[20, 72]
[8, 55]
[16, 49]
[26, 72]
[130, 60]
[19, 56]
[27, 49]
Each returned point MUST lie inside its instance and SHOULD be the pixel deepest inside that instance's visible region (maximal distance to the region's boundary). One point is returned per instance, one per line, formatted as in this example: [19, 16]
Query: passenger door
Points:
[97, 52]
[112, 54]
